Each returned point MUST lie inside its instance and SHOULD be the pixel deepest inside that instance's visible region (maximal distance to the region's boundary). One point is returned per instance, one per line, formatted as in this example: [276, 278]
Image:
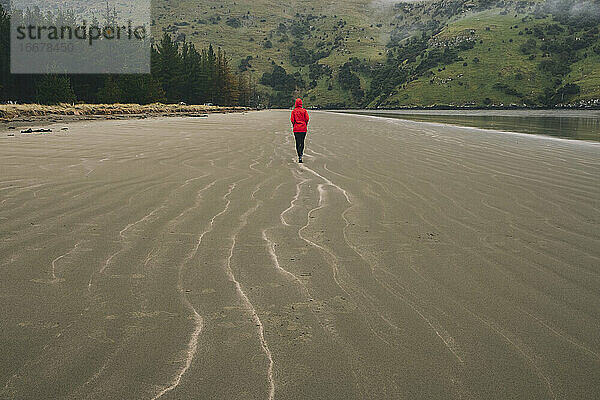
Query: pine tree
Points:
[54, 89]
[110, 92]
[5, 79]
[179, 73]
[141, 89]
[193, 74]
[211, 74]
[169, 68]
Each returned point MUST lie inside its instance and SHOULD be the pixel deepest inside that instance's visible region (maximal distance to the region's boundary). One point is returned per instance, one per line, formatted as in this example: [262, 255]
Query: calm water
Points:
[576, 124]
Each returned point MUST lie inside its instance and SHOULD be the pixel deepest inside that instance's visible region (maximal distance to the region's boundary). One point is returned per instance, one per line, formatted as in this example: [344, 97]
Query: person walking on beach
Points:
[300, 123]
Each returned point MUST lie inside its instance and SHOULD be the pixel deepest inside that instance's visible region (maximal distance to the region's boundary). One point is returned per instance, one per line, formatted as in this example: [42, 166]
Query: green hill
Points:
[382, 53]
[258, 35]
[515, 59]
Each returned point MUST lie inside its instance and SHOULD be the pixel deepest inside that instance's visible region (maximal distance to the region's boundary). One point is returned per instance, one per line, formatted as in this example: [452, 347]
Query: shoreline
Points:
[13, 116]
[528, 122]
[539, 136]
[595, 107]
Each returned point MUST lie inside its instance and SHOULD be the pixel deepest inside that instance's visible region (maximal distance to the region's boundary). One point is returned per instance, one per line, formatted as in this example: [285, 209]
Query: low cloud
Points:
[574, 7]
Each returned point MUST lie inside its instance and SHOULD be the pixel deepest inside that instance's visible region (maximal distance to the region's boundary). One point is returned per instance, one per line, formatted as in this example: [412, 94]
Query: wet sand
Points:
[567, 124]
[186, 258]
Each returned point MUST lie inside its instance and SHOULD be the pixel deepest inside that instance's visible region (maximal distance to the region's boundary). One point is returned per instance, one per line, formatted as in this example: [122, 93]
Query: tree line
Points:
[179, 73]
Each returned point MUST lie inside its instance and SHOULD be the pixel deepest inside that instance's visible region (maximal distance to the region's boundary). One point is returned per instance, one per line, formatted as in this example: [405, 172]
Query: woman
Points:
[300, 123]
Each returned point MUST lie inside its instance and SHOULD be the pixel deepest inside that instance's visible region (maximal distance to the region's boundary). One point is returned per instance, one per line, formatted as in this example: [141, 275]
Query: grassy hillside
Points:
[586, 74]
[257, 35]
[242, 28]
[499, 69]
[382, 53]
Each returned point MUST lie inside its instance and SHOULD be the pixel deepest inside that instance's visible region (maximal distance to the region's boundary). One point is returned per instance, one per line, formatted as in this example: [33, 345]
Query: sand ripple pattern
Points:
[194, 258]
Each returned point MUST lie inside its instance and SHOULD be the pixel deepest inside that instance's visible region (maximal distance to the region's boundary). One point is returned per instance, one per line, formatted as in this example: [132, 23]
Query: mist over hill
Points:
[386, 53]
[357, 54]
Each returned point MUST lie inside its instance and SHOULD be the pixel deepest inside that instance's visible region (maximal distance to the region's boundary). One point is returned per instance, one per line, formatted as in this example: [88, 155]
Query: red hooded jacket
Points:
[299, 117]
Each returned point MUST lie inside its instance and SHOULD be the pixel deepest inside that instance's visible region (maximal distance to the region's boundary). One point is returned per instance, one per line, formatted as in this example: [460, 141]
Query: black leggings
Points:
[300, 136]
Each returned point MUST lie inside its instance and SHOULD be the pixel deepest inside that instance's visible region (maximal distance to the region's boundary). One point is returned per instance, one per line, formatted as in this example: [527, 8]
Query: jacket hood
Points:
[298, 103]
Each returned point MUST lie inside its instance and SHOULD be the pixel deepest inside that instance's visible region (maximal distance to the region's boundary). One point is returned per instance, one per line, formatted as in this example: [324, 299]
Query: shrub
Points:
[554, 67]
[507, 89]
[233, 22]
[529, 47]
[279, 80]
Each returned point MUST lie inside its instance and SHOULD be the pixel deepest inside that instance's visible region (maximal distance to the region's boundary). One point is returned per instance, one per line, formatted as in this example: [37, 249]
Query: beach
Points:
[180, 258]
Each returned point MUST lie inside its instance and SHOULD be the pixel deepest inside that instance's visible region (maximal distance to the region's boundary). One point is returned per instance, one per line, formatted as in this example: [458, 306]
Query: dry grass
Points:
[14, 111]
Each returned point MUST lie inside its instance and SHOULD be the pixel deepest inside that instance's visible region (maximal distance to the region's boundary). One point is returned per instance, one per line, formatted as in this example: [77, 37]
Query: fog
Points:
[591, 7]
